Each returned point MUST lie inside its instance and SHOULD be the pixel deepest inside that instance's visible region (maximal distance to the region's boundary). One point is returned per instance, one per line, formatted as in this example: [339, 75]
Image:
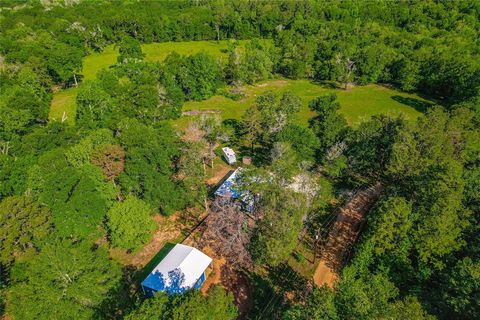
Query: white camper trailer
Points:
[229, 155]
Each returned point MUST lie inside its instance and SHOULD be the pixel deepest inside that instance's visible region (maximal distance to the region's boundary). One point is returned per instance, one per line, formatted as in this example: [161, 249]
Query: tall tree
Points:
[65, 279]
[328, 124]
[24, 224]
[130, 223]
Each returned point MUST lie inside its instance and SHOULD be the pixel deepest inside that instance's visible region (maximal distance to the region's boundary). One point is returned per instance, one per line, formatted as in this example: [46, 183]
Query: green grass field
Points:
[357, 104]
[64, 100]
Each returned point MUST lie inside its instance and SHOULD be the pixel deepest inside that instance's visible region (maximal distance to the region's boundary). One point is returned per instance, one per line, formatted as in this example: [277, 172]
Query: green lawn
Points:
[98, 61]
[63, 101]
[357, 104]
[159, 51]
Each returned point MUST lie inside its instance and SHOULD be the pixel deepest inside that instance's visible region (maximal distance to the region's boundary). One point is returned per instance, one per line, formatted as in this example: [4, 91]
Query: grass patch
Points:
[357, 104]
[63, 102]
[98, 61]
[159, 51]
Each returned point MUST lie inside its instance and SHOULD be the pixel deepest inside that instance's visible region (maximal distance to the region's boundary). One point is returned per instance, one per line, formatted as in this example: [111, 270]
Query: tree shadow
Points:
[263, 296]
[274, 292]
[417, 104]
[121, 299]
[287, 279]
[327, 84]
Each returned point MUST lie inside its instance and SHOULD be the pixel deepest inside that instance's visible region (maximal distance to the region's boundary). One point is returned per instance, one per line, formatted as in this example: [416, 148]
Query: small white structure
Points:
[229, 155]
[183, 268]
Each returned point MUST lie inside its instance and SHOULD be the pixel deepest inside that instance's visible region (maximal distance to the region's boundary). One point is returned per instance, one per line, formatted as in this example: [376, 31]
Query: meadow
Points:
[357, 104]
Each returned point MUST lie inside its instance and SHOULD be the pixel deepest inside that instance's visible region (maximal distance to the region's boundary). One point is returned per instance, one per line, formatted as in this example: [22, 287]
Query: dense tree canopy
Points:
[70, 186]
[65, 279]
[130, 223]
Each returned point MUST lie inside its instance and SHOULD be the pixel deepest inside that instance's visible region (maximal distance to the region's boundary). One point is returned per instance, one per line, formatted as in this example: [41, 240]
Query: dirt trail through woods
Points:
[343, 235]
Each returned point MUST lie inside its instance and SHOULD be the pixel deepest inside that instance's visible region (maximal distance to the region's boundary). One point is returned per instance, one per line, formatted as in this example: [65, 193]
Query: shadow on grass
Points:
[417, 104]
[121, 299]
[327, 84]
[142, 274]
[271, 292]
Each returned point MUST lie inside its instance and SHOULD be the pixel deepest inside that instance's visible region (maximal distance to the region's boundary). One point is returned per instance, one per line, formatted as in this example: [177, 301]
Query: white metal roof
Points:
[228, 152]
[191, 262]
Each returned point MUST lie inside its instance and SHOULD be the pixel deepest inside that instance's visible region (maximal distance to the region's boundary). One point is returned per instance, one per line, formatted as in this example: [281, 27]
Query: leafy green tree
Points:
[296, 54]
[328, 124]
[149, 165]
[320, 305]
[217, 305]
[276, 234]
[63, 62]
[370, 146]
[94, 105]
[410, 308]
[66, 279]
[24, 223]
[129, 50]
[392, 224]
[268, 116]
[192, 172]
[78, 197]
[130, 224]
[303, 140]
[14, 174]
[461, 289]
[198, 75]
[406, 73]
[256, 63]
[367, 296]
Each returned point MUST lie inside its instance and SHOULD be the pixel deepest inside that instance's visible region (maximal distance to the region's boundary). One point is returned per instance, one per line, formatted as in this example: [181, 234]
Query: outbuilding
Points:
[182, 269]
[229, 155]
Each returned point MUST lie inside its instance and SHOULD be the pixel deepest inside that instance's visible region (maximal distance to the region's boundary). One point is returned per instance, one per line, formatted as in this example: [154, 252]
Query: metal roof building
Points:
[182, 269]
[229, 155]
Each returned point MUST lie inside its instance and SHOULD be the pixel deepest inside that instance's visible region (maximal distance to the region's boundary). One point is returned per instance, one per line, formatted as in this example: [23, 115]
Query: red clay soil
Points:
[343, 235]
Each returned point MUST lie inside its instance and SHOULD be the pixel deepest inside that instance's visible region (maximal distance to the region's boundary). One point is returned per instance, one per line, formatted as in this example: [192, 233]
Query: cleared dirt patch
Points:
[343, 235]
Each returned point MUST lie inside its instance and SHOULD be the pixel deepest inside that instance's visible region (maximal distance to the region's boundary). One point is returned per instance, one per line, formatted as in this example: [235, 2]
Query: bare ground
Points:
[343, 235]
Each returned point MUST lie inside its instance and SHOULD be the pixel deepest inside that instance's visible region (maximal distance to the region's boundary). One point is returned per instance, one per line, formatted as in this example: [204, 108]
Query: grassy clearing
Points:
[63, 101]
[98, 61]
[357, 104]
[159, 51]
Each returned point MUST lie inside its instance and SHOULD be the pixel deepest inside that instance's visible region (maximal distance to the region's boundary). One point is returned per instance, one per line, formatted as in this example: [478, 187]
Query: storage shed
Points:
[229, 155]
[182, 269]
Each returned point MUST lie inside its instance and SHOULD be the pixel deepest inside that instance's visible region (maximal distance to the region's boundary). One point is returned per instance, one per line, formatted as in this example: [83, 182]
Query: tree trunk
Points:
[75, 79]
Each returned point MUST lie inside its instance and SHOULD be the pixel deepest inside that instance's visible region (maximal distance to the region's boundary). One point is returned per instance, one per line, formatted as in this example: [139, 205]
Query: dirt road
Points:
[343, 235]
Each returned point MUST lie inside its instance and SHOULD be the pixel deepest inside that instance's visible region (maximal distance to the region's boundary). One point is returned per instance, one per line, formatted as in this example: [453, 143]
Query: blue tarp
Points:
[230, 188]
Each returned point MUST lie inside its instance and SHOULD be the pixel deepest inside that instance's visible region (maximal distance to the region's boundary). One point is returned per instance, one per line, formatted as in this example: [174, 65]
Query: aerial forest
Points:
[354, 194]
